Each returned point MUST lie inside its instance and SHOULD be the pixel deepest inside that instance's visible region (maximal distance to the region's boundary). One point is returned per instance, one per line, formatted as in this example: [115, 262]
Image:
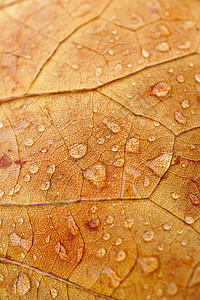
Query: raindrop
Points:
[180, 118]
[161, 89]
[118, 67]
[101, 252]
[129, 222]
[151, 138]
[45, 185]
[197, 77]
[27, 177]
[180, 78]
[41, 128]
[93, 224]
[51, 169]
[189, 220]
[115, 148]
[156, 124]
[146, 181]
[77, 151]
[159, 292]
[93, 209]
[160, 246]
[1, 124]
[75, 67]
[21, 220]
[162, 47]
[184, 243]
[96, 173]
[149, 264]
[21, 285]
[145, 53]
[111, 52]
[175, 196]
[148, 235]
[2, 277]
[109, 220]
[118, 242]
[106, 236]
[164, 30]
[167, 226]
[1, 193]
[172, 289]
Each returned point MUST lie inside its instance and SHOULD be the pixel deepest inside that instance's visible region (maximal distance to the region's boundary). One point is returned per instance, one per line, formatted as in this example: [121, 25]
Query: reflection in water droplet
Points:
[180, 118]
[148, 235]
[121, 255]
[189, 220]
[162, 47]
[77, 151]
[197, 77]
[45, 185]
[185, 104]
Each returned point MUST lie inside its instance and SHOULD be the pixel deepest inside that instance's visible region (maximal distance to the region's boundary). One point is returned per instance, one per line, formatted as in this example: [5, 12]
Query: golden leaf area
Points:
[100, 149]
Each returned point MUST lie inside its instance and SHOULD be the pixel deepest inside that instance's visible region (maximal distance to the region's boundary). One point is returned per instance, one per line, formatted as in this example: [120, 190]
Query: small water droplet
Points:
[111, 52]
[27, 177]
[106, 236]
[184, 243]
[51, 169]
[129, 222]
[34, 257]
[1, 277]
[54, 293]
[146, 181]
[180, 78]
[114, 127]
[175, 195]
[118, 242]
[163, 30]
[21, 220]
[180, 118]
[159, 292]
[162, 47]
[1, 125]
[98, 71]
[119, 162]
[191, 64]
[93, 209]
[1, 193]
[145, 53]
[33, 168]
[132, 145]
[118, 67]
[28, 142]
[197, 77]
[184, 46]
[41, 128]
[101, 252]
[93, 224]
[45, 185]
[121, 255]
[189, 220]
[160, 246]
[172, 289]
[115, 148]
[77, 151]
[161, 89]
[109, 220]
[75, 67]
[156, 124]
[148, 235]
[167, 226]
[151, 138]
[185, 103]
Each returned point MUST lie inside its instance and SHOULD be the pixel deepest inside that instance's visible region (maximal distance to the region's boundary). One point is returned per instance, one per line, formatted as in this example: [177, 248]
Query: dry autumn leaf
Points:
[100, 149]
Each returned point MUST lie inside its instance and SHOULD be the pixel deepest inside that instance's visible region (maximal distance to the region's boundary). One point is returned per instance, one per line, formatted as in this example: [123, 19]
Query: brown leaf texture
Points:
[100, 149]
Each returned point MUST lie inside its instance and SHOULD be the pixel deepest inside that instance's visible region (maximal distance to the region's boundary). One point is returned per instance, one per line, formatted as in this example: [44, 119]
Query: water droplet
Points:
[133, 83]
[47, 239]
[185, 104]
[34, 257]
[115, 128]
[197, 77]
[93, 209]
[186, 45]
[160, 164]
[146, 286]
[115, 148]
[21, 220]
[27, 177]
[98, 71]
[1, 125]
[101, 141]
[149, 264]
[160, 246]
[148, 235]
[151, 138]
[167, 226]
[75, 67]
[184, 243]
[45, 185]
[194, 199]
[161, 89]
[23, 255]
[145, 53]
[109, 220]
[118, 67]
[101, 252]
[156, 124]
[172, 289]
[28, 142]
[106, 236]
[132, 145]
[180, 78]
[180, 118]
[189, 220]
[191, 64]
[93, 224]
[162, 47]
[175, 195]
[33, 168]
[159, 292]
[77, 151]
[1, 193]
[41, 128]
[111, 52]
[146, 181]
[22, 284]
[1, 277]
[54, 293]
[96, 173]
[118, 242]
[51, 169]
[121, 255]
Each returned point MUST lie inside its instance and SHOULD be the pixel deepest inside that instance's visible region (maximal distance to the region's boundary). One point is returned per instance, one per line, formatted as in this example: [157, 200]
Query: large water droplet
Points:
[77, 151]
[114, 127]
[33, 168]
[161, 89]
[22, 284]
[189, 220]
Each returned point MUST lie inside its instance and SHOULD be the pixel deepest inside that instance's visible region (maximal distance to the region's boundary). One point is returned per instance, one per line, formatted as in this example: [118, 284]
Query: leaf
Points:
[99, 149]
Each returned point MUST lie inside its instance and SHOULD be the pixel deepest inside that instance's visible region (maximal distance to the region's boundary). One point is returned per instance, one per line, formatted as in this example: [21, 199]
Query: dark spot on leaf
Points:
[5, 161]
